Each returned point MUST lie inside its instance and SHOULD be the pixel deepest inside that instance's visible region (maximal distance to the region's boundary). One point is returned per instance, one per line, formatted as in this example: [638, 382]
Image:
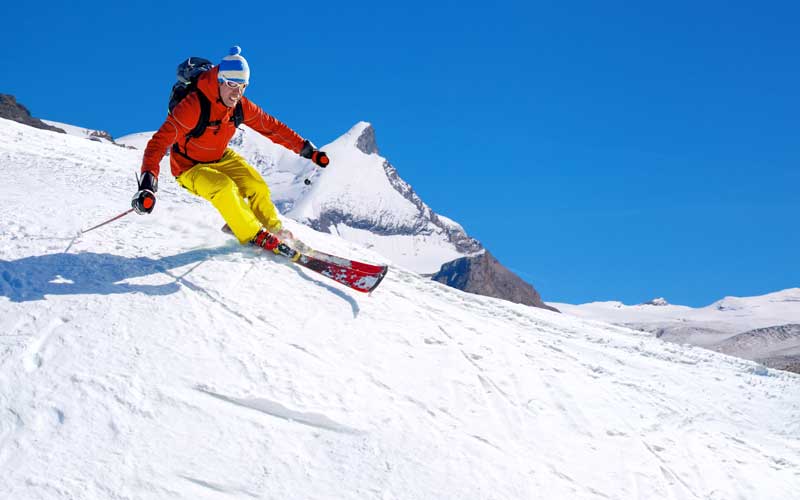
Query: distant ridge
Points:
[764, 328]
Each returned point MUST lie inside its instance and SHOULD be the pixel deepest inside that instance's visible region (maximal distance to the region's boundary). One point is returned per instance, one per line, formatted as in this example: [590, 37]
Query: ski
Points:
[353, 274]
[352, 264]
[359, 276]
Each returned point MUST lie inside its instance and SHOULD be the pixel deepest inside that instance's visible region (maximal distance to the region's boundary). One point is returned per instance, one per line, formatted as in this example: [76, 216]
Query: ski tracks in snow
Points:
[280, 411]
[205, 487]
[36, 351]
[557, 388]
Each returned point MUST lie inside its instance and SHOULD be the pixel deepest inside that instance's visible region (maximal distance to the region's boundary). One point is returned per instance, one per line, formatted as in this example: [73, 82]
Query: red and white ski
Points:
[357, 275]
[353, 274]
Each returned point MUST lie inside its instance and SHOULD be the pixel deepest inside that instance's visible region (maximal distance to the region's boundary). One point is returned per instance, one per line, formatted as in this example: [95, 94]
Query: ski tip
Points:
[381, 275]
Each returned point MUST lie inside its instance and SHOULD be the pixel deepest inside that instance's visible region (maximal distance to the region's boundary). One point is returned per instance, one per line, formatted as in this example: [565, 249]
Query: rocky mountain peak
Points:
[366, 140]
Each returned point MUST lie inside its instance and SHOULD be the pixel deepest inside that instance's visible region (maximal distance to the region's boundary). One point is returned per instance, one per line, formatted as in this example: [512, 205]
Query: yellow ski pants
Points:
[237, 191]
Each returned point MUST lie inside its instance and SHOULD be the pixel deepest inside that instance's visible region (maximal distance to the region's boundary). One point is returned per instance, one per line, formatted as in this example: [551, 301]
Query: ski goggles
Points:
[233, 85]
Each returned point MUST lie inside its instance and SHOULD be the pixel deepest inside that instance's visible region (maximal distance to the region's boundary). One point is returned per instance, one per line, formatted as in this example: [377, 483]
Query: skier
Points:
[206, 167]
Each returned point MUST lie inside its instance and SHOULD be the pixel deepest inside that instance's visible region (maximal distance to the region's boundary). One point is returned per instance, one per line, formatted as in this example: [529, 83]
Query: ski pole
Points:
[123, 214]
[307, 182]
[84, 231]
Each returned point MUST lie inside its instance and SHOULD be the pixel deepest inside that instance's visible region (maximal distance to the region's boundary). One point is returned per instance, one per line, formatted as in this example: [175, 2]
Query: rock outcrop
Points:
[10, 109]
[483, 274]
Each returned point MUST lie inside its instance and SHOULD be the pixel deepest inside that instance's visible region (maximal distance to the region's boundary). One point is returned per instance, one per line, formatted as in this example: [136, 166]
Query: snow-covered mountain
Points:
[775, 346]
[156, 358]
[365, 201]
[721, 326]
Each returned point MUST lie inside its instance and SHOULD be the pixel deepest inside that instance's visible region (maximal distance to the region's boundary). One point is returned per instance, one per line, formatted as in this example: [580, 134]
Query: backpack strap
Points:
[238, 115]
[177, 150]
[199, 129]
[205, 115]
[204, 121]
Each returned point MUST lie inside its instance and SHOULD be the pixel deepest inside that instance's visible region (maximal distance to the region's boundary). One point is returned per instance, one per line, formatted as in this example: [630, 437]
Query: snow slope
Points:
[156, 358]
[138, 140]
[86, 133]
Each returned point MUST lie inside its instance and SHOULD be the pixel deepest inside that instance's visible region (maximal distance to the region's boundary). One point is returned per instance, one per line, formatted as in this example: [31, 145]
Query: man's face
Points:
[231, 92]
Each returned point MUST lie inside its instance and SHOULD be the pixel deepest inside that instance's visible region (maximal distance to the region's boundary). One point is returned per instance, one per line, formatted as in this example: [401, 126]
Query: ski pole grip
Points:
[320, 158]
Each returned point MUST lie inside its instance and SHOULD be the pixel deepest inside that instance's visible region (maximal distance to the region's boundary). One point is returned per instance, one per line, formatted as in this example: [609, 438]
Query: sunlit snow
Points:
[157, 358]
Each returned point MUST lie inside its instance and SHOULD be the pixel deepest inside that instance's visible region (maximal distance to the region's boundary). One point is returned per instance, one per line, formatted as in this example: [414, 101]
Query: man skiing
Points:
[205, 166]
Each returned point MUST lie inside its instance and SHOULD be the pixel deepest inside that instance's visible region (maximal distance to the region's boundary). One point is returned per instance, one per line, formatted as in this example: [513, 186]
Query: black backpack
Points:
[188, 73]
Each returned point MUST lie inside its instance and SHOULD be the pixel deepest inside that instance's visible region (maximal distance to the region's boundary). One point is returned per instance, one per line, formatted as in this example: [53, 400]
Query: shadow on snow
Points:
[31, 278]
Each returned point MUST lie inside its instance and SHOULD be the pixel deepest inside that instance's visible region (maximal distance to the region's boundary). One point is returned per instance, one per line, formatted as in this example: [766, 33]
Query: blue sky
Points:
[601, 150]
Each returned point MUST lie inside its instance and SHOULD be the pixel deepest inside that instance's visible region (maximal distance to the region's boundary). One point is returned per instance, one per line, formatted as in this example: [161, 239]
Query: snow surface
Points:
[138, 140]
[73, 130]
[157, 358]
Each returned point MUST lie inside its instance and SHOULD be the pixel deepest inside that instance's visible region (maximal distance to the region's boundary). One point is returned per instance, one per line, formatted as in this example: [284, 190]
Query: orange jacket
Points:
[210, 146]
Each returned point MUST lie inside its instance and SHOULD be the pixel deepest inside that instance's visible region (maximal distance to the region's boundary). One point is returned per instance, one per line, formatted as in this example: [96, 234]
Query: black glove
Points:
[144, 200]
[318, 157]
